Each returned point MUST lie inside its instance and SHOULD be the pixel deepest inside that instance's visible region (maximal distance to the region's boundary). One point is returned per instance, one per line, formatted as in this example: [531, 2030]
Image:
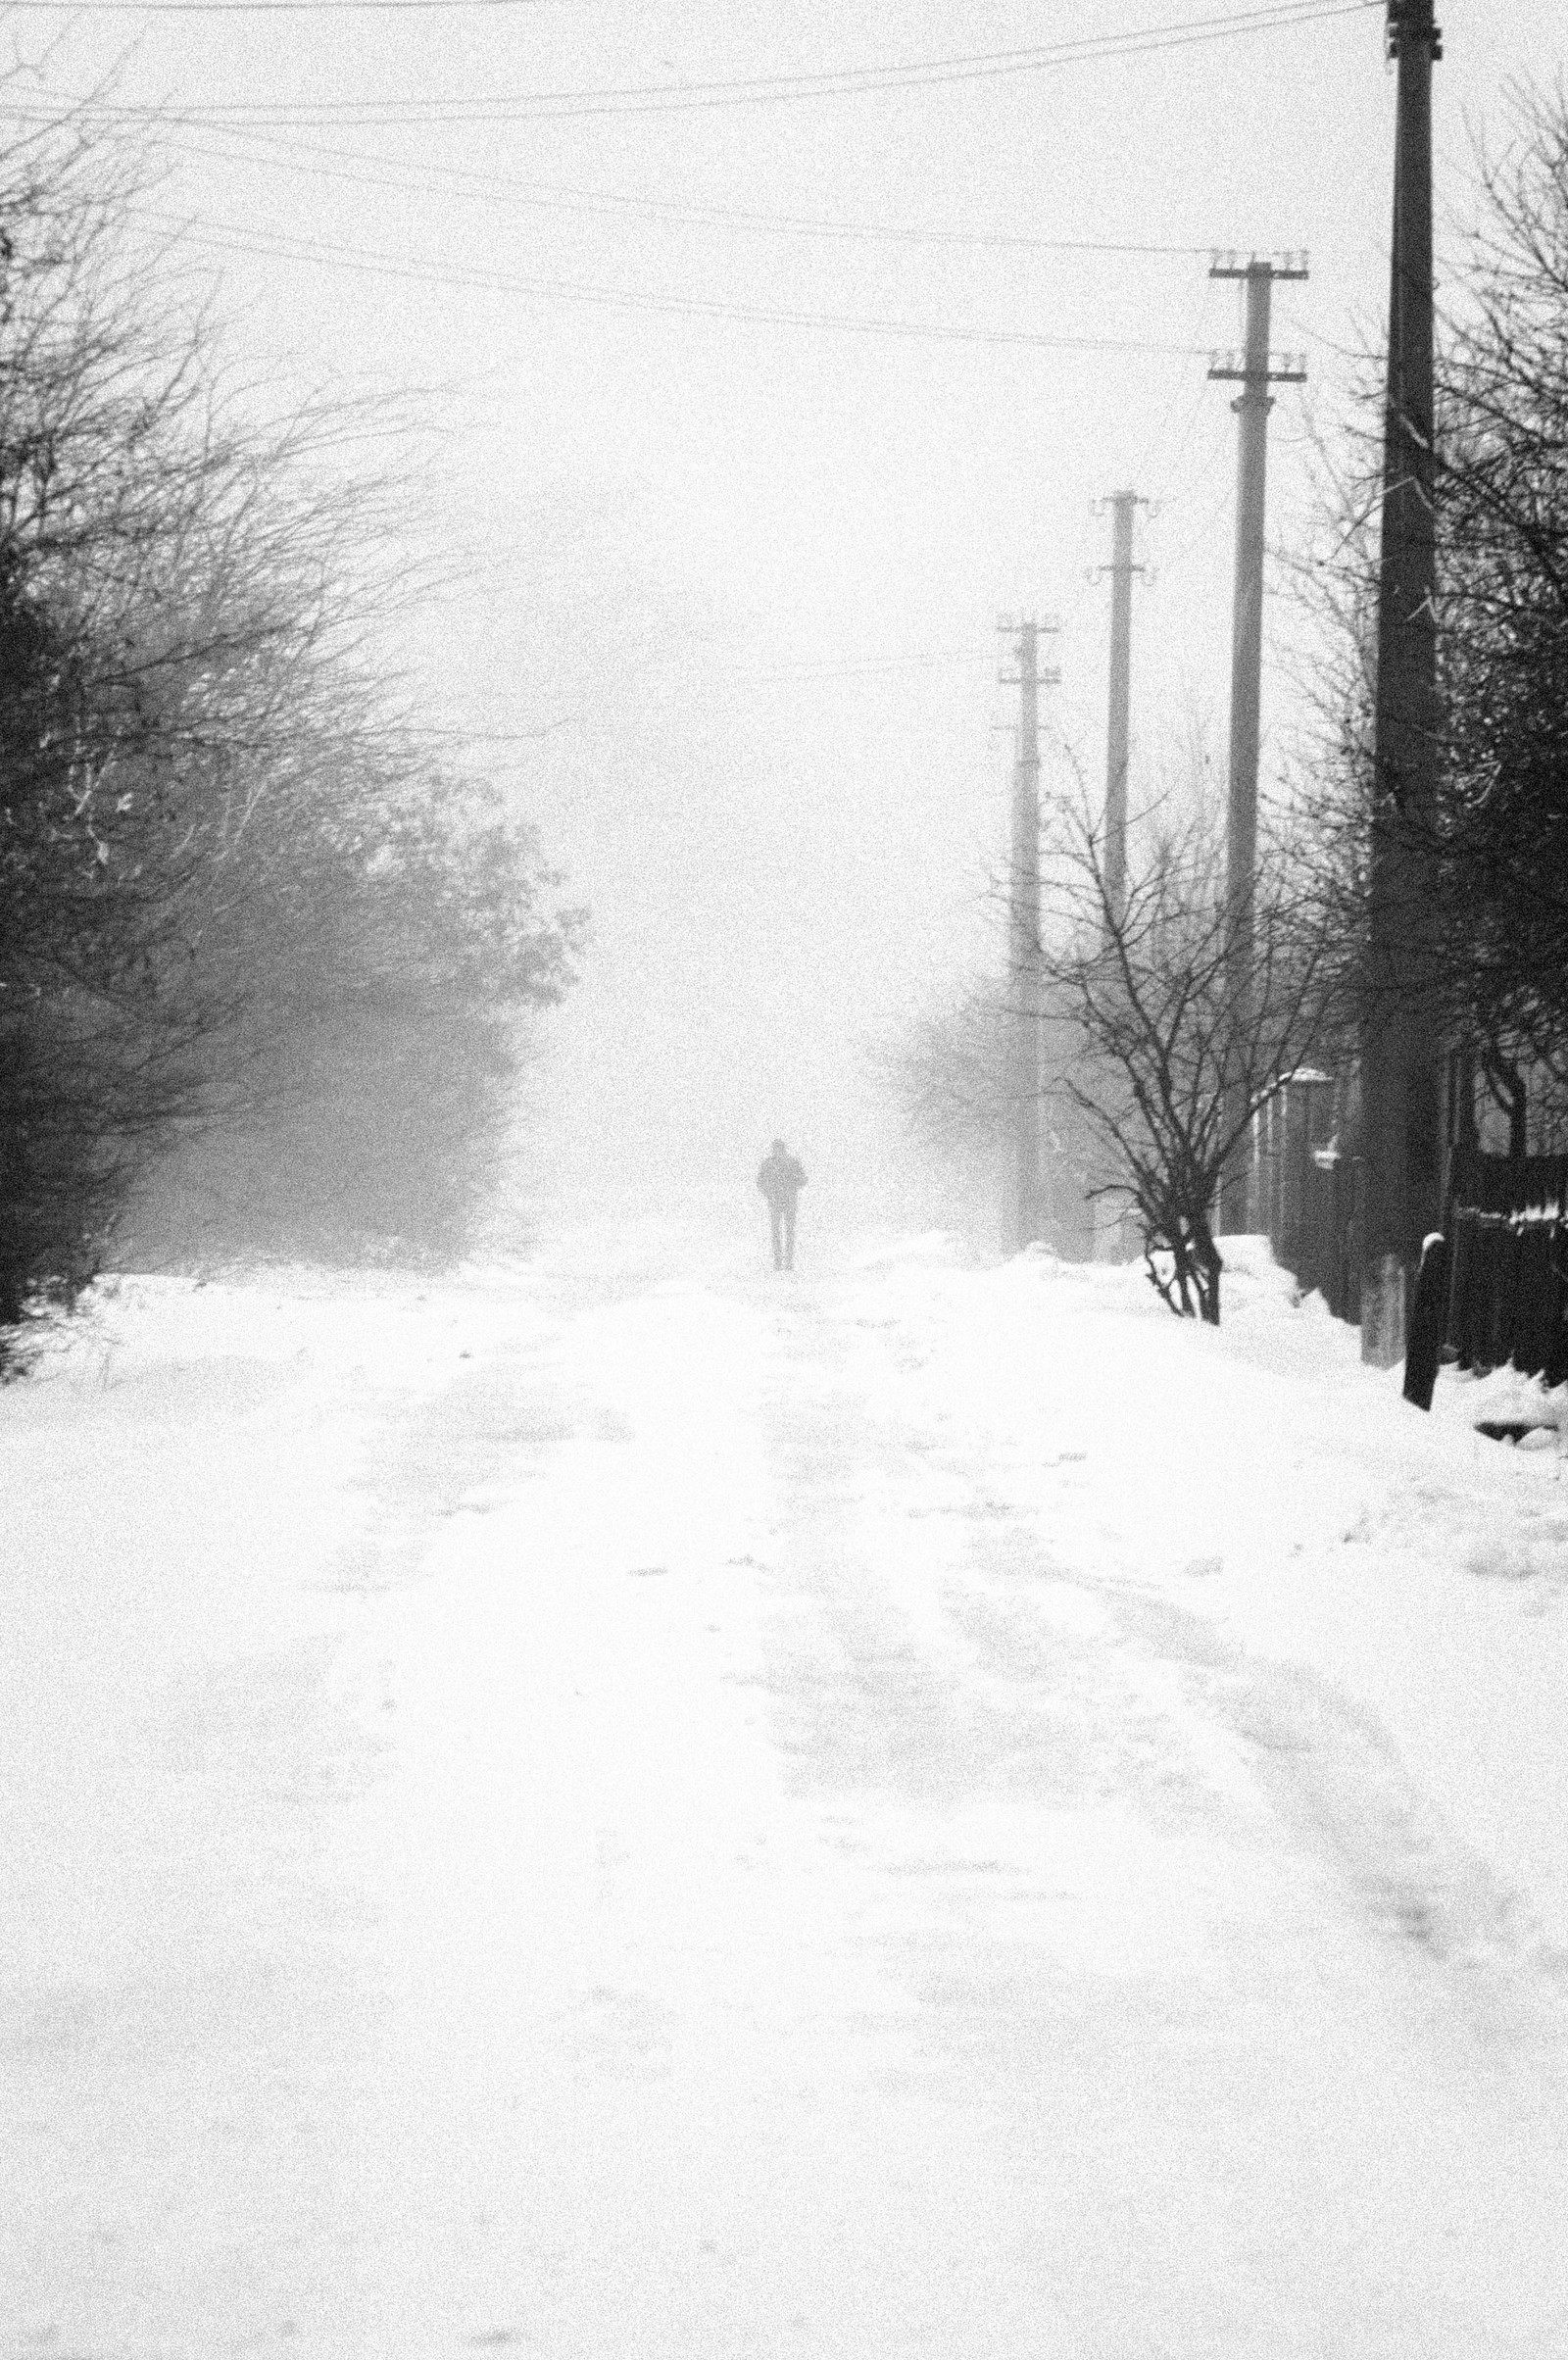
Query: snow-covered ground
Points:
[617, 1806]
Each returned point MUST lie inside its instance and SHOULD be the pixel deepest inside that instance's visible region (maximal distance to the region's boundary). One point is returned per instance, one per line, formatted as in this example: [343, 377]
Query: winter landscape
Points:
[940, 1812]
[784, 1181]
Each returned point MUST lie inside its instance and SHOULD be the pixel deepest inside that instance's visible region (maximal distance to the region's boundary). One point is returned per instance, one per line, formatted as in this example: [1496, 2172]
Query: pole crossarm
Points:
[1409, 23]
[1257, 366]
[1280, 368]
[1118, 504]
[1012, 627]
[1291, 265]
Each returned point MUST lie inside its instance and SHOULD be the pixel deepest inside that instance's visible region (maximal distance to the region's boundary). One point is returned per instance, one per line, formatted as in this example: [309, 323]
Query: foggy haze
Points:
[746, 575]
[576, 1777]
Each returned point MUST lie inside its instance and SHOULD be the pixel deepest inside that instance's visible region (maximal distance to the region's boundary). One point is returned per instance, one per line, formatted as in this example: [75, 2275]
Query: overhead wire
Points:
[239, 238]
[259, 123]
[1200, 534]
[555, 196]
[653, 98]
[255, 8]
[1155, 447]
[857, 672]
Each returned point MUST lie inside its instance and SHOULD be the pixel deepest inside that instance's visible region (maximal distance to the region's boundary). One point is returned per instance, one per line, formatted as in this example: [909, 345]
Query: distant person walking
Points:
[781, 1181]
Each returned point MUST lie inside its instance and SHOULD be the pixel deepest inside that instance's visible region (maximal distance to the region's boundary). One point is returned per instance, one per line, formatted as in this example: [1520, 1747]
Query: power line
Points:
[557, 196]
[1156, 441]
[655, 98]
[858, 671]
[248, 8]
[231, 237]
[1202, 535]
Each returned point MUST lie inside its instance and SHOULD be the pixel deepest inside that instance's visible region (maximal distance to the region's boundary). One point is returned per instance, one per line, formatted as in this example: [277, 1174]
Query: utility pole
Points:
[1401, 1097]
[1255, 372]
[1121, 569]
[1023, 934]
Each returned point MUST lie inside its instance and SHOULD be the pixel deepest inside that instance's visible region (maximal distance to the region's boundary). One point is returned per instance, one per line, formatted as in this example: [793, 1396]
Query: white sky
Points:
[671, 529]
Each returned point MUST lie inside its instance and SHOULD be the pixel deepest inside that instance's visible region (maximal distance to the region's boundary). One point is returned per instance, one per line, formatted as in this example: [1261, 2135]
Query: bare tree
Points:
[220, 838]
[1166, 1066]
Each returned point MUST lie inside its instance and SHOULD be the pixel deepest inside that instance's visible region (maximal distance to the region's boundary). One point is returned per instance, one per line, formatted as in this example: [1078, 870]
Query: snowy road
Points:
[620, 1808]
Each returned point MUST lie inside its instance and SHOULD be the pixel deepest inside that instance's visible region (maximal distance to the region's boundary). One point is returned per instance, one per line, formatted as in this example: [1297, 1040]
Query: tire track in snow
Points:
[1328, 1769]
[1336, 1780]
[1093, 1825]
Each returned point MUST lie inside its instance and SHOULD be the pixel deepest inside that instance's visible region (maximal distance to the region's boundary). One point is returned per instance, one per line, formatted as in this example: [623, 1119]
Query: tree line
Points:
[250, 914]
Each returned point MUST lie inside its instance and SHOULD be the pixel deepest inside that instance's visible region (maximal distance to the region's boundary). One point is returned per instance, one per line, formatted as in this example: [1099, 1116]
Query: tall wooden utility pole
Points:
[1401, 1097]
[1256, 374]
[1026, 1208]
[1123, 505]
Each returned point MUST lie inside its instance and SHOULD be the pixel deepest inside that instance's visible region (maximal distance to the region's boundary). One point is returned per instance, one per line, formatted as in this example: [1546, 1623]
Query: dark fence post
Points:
[1320, 1256]
[1268, 1172]
[1462, 1287]
[1306, 1099]
[1555, 1366]
[1424, 1350]
[1343, 1237]
[1485, 1329]
[1295, 1104]
[1507, 1311]
[1532, 1298]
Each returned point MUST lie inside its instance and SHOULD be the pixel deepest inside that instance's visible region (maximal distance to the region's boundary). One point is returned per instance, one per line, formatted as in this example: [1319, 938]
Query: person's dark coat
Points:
[780, 1179]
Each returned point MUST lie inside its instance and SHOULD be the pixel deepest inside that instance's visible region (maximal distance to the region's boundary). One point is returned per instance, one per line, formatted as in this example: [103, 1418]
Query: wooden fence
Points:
[1508, 1281]
[1506, 1222]
[1307, 1193]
